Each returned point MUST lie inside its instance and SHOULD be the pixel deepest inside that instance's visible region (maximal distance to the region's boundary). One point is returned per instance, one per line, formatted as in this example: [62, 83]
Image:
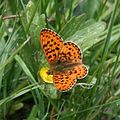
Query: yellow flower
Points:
[44, 75]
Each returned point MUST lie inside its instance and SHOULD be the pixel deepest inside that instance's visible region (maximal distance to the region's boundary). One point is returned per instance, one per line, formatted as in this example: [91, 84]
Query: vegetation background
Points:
[94, 25]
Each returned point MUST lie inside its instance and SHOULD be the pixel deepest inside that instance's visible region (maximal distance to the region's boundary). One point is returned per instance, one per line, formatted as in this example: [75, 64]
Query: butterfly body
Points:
[65, 59]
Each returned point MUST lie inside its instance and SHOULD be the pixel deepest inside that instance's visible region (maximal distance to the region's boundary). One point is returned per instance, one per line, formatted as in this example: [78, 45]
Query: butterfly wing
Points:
[80, 71]
[70, 54]
[51, 44]
[65, 80]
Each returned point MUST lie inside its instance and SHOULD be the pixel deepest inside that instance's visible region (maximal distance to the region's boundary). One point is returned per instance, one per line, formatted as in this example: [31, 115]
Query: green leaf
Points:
[72, 25]
[89, 35]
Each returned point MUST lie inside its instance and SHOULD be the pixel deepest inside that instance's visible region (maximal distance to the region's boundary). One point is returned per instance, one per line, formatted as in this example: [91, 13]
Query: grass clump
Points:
[93, 25]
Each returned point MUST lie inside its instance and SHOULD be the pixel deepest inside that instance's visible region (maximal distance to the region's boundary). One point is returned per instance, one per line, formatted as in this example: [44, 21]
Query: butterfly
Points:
[65, 59]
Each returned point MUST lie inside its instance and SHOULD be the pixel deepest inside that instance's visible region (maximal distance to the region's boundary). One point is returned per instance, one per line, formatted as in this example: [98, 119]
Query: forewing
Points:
[51, 44]
[70, 53]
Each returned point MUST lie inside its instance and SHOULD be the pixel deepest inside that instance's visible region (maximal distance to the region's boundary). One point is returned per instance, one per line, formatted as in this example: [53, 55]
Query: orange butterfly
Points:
[65, 59]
